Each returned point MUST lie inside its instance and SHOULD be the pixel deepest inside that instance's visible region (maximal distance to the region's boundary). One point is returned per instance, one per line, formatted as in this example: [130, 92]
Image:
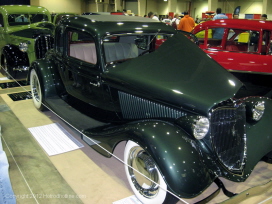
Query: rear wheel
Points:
[7, 69]
[145, 190]
[36, 91]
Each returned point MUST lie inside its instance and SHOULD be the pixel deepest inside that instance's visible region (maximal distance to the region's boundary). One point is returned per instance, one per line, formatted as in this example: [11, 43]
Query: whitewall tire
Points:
[146, 191]
[36, 91]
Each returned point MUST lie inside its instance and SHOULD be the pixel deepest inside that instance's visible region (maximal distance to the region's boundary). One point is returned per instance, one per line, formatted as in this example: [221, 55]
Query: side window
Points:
[242, 41]
[118, 49]
[215, 36]
[201, 35]
[1, 21]
[238, 41]
[81, 46]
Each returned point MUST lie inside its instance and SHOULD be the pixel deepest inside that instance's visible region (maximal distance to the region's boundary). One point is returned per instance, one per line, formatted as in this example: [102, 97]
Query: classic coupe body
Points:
[244, 48]
[186, 121]
[26, 33]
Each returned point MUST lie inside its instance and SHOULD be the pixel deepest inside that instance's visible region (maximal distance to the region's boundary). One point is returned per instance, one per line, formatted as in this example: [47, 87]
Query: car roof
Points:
[116, 24]
[117, 18]
[17, 9]
[236, 23]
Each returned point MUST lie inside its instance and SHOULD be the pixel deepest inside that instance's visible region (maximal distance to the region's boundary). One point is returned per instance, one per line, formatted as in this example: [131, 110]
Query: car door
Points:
[79, 67]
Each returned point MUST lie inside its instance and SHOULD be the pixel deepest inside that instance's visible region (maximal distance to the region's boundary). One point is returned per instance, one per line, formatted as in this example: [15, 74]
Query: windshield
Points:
[25, 19]
[120, 48]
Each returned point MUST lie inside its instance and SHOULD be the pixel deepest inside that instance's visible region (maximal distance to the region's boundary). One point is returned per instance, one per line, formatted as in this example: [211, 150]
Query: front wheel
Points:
[146, 191]
[36, 91]
[8, 71]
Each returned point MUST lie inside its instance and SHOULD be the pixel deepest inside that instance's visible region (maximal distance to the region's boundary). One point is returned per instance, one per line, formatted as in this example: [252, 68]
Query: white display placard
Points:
[54, 139]
[129, 200]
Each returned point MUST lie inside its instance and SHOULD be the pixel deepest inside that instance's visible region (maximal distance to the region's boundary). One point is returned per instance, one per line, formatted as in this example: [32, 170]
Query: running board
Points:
[71, 116]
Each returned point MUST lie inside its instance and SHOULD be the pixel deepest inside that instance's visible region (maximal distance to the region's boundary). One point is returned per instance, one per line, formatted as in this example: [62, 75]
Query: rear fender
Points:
[49, 77]
[176, 156]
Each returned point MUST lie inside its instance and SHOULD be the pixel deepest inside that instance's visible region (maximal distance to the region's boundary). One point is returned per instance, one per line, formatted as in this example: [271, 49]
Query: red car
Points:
[243, 48]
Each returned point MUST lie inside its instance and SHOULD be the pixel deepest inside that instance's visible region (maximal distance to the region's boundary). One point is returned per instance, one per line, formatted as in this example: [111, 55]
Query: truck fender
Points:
[175, 154]
[14, 56]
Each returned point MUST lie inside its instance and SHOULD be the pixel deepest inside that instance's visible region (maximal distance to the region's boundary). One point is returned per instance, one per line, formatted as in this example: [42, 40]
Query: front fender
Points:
[176, 156]
[259, 136]
[14, 56]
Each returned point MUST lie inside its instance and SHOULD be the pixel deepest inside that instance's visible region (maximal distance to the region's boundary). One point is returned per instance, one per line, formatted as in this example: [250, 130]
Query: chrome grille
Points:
[42, 44]
[133, 107]
[228, 136]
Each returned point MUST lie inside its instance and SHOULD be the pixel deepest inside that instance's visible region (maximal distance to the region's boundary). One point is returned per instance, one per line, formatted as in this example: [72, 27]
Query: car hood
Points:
[42, 28]
[179, 74]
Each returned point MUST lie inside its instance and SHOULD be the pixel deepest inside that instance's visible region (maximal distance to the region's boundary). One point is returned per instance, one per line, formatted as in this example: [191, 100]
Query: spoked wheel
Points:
[146, 191]
[36, 92]
[7, 69]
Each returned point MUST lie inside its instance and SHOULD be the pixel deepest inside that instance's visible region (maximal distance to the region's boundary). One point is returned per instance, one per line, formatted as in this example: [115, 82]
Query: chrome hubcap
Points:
[36, 88]
[142, 162]
[5, 65]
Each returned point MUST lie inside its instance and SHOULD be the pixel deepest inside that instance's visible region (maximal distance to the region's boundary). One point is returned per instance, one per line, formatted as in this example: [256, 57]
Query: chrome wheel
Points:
[139, 160]
[5, 67]
[147, 182]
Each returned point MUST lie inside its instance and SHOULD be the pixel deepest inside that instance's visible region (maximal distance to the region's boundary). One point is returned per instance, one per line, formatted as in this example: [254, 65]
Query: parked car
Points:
[26, 35]
[186, 120]
[56, 17]
[244, 49]
[103, 13]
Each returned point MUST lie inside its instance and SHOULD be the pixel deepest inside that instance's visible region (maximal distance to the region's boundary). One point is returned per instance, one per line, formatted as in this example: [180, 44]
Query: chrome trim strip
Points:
[21, 68]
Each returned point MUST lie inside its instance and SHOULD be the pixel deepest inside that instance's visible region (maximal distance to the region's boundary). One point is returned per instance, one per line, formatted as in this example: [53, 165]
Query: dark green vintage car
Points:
[187, 121]
[56, 17]
[25, 35]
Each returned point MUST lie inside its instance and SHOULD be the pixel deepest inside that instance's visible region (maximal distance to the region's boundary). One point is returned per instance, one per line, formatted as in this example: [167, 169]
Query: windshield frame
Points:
[26, 18]
[148, 48]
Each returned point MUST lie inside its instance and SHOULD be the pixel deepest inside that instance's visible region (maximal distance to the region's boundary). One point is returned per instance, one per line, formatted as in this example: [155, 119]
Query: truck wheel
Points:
[36, 91]
[8, 71]
[146, 191]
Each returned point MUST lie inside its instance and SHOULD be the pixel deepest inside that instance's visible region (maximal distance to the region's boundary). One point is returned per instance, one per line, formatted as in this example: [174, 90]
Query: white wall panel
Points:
[57, 6]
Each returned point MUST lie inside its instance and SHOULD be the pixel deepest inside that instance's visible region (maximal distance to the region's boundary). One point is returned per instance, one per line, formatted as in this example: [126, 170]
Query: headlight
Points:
[258, 110]
[23, 47]
[201, 127]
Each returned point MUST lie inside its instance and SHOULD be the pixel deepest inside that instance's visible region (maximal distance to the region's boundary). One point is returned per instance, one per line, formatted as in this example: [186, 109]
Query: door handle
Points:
[96, 84]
